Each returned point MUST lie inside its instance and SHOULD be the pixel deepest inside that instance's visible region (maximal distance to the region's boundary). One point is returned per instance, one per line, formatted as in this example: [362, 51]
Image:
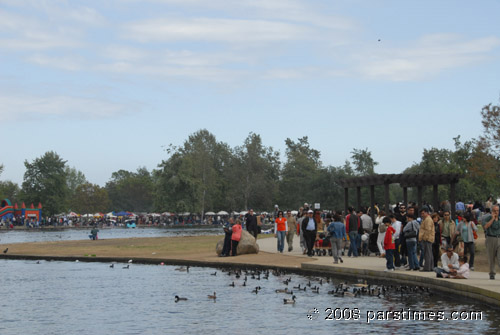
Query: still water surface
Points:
[92, 298]
[37, 235]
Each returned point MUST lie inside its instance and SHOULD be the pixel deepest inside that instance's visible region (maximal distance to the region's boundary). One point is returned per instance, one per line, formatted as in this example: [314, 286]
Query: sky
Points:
[109, 84]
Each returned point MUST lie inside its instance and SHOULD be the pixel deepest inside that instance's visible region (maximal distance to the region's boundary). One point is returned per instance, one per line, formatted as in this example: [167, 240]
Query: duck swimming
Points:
[177, 298]
[289, 301]
[212, 296]
[282, 291]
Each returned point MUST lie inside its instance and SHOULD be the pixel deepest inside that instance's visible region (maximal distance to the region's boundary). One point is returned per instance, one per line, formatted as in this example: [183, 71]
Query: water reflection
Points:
[92, 298]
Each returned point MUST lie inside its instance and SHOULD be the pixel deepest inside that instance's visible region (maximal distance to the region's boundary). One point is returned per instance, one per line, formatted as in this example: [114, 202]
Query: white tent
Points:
[222, 213]
[234, 213]
[209, 213]
[243, 213]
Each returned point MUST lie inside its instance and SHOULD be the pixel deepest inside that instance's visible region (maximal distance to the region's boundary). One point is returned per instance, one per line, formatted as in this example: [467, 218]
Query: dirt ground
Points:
[189, 248]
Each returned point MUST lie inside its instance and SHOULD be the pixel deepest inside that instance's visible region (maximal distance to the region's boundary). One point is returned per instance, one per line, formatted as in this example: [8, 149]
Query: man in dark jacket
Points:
[251, 223]
[309, 228]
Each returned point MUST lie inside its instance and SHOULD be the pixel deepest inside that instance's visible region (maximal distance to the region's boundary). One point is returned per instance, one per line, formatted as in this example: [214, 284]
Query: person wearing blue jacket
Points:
[336, 230]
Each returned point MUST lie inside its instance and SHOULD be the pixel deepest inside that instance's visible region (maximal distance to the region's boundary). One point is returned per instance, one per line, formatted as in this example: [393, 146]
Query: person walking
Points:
[491, 225]
[309, 229]
[251, 223]
[381, 232]
[292, 229]
[410, 233]
[426, 235]
[280, 230]
[389, 244]
[352, 223]
[466, 229]
[336, 230]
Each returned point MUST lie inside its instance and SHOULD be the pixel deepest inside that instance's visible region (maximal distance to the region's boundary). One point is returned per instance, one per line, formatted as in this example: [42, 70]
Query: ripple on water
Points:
[56, 299]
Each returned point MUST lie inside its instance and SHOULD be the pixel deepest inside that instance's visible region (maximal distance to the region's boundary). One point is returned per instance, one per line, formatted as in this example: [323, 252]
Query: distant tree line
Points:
[207, 175]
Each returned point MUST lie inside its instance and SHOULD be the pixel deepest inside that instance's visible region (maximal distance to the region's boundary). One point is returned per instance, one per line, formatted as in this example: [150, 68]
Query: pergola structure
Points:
[405, 181]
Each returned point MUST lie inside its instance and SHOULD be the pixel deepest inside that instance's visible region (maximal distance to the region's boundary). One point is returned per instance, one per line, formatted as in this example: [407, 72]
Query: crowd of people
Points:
[409, 238]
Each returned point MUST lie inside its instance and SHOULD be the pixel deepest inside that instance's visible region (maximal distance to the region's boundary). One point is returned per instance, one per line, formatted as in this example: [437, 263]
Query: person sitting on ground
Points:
[449, 262]
[462, 272]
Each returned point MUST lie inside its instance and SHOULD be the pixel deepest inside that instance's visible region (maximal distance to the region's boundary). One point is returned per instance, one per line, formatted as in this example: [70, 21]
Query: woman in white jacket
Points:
[381, 233]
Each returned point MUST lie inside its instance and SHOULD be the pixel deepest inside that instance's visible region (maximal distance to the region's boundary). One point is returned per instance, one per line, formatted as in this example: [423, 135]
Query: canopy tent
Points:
[243, 213]
[186, 214]
[222, 213]
[123, 213]
[234, 213]
[72, 214]
[88, 215]
[166, 214]
[154, 214]
[209, 213]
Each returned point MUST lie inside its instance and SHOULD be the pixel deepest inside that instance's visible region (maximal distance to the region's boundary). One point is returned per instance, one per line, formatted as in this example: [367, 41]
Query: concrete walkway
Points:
[478, 286]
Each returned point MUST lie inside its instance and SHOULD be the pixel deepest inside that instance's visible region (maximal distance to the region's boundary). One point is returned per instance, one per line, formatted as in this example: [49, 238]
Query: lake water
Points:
[38, 235]
[92, 298]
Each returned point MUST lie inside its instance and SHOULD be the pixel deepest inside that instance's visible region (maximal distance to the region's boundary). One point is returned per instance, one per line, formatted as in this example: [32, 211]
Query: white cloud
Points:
[215, 30]
[69, 63]
[429, 56]
[27, 33]
[22, 107]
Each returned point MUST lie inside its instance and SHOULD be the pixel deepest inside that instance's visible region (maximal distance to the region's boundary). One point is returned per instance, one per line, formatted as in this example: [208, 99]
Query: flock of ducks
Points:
[342, 289]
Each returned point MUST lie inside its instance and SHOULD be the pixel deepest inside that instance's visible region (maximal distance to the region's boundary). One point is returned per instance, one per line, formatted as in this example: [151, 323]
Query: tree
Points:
[364, 164]
[491, 123]
[45, 182]
[300, 174]
[9, 190]
[90, 198]
[256, 174]
[74, 178]
[193, 176]
[131, 191]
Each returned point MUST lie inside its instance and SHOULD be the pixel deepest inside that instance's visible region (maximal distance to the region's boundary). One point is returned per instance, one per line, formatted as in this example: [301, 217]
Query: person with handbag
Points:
[410, 233]
[466, 229]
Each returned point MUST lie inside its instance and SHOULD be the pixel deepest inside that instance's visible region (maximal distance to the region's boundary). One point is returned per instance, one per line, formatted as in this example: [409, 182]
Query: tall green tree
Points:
[74, 178]
[45, 182]
[300, 174]
[364, 164]
[90, 198]
[192, 178]
[131, 191]
[490, 138]
[256, 173]
[9, 190]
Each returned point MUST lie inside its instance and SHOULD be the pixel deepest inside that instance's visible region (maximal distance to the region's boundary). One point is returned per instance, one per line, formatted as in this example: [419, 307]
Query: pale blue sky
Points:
[107, 84]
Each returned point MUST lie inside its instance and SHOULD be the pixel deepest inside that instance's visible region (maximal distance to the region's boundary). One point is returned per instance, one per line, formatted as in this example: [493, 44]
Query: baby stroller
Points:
[371, 246]
[322, 245]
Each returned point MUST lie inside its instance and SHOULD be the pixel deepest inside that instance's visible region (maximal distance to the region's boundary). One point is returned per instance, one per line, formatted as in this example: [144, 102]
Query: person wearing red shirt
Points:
[235, 237]
[389, 244]
[280, 230]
